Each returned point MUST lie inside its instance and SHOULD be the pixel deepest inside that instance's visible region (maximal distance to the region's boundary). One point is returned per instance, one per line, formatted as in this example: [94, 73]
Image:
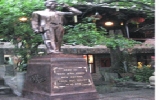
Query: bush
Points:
[142, 74]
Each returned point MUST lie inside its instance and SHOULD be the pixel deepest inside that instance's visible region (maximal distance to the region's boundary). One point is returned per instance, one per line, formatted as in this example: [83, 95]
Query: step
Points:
[5, 90]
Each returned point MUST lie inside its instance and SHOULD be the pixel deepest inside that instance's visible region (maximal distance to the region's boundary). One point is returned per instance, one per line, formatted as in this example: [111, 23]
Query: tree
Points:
[17, 31]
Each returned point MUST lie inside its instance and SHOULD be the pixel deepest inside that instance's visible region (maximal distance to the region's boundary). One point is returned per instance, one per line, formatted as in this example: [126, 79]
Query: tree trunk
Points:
[116, 59]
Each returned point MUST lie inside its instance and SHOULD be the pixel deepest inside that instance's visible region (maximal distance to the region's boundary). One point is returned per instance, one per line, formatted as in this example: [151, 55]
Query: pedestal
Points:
[59, 77]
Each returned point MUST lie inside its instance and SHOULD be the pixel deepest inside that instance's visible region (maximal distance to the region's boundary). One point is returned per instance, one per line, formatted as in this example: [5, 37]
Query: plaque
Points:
[59, 77]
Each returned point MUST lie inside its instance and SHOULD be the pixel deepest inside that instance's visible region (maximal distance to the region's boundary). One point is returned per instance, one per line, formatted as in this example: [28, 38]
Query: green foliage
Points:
[17, 32]
[143, 74]
[11, 11]
[89, 34]
[83, 33]
[113, 41]
[124, 79]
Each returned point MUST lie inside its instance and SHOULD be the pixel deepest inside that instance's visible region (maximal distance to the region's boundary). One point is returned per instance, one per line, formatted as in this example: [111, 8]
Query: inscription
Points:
[80, 73]
[58, 70]
[64, 77]
[70, 73]
[61, 73]
[71, 77]
[76, 76]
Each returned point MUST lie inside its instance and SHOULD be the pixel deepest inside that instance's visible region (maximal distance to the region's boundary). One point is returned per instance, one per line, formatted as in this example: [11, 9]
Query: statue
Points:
[49, 23]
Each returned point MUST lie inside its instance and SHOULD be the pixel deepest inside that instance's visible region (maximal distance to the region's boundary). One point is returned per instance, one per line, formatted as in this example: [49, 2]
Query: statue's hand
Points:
[65, 5]
[36, 31]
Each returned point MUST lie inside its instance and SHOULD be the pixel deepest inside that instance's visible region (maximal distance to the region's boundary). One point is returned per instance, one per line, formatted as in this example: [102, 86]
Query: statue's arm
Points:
[35, 22]
[72, 10]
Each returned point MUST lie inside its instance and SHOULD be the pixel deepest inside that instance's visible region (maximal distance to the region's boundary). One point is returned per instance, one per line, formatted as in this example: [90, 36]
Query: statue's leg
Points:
[48, 41]
[59, 32]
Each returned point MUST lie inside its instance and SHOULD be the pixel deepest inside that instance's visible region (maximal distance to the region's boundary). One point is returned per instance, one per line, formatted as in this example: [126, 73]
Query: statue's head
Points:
[50, 3]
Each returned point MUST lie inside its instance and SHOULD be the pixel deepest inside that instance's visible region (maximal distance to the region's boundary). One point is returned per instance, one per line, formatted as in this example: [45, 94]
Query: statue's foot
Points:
[53, 51]
[50, 51]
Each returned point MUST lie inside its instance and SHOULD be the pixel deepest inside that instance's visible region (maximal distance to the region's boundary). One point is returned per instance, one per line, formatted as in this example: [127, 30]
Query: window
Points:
[105, 62]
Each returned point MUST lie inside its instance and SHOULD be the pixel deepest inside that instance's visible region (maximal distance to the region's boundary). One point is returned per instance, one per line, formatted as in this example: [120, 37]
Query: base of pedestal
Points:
[64, 96]
[59, 77]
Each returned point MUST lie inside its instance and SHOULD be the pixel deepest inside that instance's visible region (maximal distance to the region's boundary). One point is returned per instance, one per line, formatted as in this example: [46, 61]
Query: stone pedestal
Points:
[59, 77]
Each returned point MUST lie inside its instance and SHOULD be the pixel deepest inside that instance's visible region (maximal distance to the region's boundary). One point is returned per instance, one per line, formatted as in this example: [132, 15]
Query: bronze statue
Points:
[49, 23]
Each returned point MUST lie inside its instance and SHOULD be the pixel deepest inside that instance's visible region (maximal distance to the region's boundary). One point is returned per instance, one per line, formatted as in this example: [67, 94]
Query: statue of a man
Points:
[49, 23]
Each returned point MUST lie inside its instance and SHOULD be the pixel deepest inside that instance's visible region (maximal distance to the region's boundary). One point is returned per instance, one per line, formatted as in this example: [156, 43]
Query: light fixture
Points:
[88, 58]
[90, 61]
[137, 20]
[75, 19]
[122, 24]
[23, 19]
[109, 23]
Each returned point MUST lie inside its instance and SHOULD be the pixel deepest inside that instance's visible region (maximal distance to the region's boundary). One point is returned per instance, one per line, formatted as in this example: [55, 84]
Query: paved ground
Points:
[143, 94]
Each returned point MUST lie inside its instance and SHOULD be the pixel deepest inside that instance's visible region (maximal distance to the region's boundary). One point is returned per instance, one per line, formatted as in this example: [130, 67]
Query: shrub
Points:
[142, 74]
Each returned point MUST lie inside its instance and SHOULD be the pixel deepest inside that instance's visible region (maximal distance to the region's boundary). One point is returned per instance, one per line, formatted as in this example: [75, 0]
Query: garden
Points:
[16, 28]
